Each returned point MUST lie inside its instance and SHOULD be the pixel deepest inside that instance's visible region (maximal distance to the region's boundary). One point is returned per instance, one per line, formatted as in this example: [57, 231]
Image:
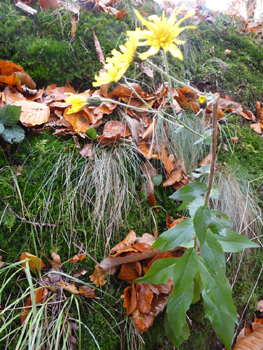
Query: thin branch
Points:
[25, 220]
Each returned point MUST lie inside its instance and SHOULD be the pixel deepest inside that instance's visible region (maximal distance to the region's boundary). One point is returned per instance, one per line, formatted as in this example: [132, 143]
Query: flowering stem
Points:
[179, 82]
[169, 82]
[152, 111]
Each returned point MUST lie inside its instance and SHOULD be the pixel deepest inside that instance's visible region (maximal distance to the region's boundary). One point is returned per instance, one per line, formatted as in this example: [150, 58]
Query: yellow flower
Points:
[78, 102]
[162, 33]
[117, 65]
[202, 102]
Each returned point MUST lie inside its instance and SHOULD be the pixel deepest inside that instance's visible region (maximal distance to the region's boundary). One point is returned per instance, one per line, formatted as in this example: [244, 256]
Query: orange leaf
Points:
[251, 342]
[206, 160]
[248, 115]
[152, 201]
[7, 67]
[33, 262]
[257, 127]
[163, 255]
[175, 176]
[142, 321]
[38, 298]
[33, 113]
[115, 127]
[78, 257]
[128, 273]
[144, 297]
[130, 299]
[87, 291]
[127, 242]
[78, 120]
[87, 151]
[260, 305]
[121, 14]
[171, 222]
[69, 287]
[98, 276]
[25, 79]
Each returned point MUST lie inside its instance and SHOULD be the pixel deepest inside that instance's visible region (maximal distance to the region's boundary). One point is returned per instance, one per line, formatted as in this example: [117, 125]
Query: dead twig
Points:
[24, 219]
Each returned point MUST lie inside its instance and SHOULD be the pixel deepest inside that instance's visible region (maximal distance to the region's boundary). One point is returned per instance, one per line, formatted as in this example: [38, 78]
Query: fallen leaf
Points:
[142, 321]
[98, 276]
[115, 127]
[19, 171]
[87, 151]
[33, 262]
[69, 287]
[127, 242]
[130, 299]
[151, 199]
[207, 160]
[87, 291]
[234, 139]
[78, 257]
[128, 273]
[33, 113]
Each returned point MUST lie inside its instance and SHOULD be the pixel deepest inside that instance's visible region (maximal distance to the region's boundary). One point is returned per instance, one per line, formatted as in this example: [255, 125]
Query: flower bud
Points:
[202, 102]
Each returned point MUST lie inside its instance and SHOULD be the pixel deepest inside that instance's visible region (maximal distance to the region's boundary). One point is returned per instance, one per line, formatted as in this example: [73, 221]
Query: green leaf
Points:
[213, 254]
[157, 179]
[201, 220]
[197, 289]
[195, 204]
[92, 133]
[2, 128]
[189, 192]
[183, 233]
[174, 338]
[235, 242]
[184, 271]
[219, 307]
[177, 306]
[13, 134]
[10, 115]
[159, 272]
[218, 225]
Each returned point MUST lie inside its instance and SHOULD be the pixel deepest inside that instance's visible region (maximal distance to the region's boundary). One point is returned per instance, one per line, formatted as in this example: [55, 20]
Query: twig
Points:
[25, 220]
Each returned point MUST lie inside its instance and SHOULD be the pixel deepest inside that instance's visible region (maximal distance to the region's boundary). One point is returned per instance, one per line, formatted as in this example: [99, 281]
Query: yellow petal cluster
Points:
[162, 33]
[117, 65]
[78, 102]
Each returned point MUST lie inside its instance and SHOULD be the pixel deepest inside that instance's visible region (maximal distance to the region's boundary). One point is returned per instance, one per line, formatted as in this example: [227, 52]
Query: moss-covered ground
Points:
[52, 166]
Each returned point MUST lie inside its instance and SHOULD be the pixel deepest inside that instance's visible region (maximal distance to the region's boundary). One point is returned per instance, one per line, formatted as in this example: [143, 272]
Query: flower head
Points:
[162, 33]
[79, 102]
[117, 65]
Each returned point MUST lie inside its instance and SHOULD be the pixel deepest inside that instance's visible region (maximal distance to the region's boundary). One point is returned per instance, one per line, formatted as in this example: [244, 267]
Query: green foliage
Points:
[46, 50]
[194, 274]
[9, 116]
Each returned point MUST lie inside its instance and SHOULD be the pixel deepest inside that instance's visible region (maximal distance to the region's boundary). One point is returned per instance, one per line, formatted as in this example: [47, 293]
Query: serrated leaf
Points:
[177, 306]
[183, 233]
[201, 221]
[219, 307]
[189, 192]
[92, 133]
[13, 134]
[176, 340]
[10, 115]
[213, 254]
[235, 242]
[2, 128]
[157, 179]
[159, 272]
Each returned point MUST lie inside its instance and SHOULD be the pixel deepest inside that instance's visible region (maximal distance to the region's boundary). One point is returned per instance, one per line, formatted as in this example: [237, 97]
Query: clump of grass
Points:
[237, 201]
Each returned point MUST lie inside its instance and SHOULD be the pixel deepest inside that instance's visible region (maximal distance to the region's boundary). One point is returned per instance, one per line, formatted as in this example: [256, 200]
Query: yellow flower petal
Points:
[78, 102]
[161, 33]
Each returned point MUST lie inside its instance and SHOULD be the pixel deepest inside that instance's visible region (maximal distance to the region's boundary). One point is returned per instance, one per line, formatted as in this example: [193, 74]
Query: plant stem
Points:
[177, 80]
[169, 82]
[213, 160]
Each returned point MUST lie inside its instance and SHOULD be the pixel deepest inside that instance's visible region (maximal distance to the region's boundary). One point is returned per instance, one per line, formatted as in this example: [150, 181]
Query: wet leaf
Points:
[78, 257]
[34, 262]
